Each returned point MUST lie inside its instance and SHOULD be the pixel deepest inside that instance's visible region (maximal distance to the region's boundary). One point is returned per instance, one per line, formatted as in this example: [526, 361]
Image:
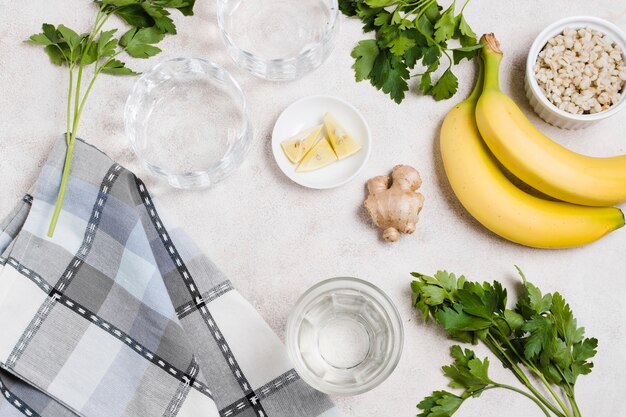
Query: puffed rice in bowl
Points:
[576, 72]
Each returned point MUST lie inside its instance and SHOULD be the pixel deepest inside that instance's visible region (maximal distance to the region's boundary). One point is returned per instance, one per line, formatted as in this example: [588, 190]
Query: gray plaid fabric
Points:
[119, 314]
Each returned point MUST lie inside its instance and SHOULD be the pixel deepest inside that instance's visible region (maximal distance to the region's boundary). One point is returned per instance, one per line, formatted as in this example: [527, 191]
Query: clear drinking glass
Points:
[344, 336]
[279, 40]
[187, 120]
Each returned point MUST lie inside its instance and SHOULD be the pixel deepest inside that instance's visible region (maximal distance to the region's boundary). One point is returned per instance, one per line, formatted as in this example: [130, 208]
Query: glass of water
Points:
[187, 121]
[344, 336]
[279, 40]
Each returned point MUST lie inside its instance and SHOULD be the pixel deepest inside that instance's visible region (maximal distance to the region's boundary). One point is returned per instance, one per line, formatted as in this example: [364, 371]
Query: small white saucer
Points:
[308, 112]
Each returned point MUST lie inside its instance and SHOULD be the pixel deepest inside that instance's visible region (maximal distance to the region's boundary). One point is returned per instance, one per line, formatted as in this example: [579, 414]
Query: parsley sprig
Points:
[539, 336]
[150, 21]
[408, 33]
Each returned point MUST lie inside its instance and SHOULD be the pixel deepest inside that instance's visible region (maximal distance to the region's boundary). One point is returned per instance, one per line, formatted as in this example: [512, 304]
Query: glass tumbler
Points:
[187, 121]
[344, 336]
[279, 40]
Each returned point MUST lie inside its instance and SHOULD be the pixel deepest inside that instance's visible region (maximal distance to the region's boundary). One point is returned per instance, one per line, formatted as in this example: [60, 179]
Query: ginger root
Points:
[395, 207]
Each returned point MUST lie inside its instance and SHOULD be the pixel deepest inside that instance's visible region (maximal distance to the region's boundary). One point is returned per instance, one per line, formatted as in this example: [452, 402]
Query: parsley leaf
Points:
[533, 302]
[150, 22]
[401, 44]
[446, 86]
[465, 52]
[445, 26]
[467, 371]
[71, 38]
[116, 67]
[55, 54]
[407, 33]
[161, 18]
[465, 33]
[539, 335]
[439, 404]
[40, 39]
[426, 83]
[364, 55]
[138, 42]
[379, 3]
[120, 3]
[456, 319]
[389, 73]
[135, 15]
[106, 44]
[541, 331]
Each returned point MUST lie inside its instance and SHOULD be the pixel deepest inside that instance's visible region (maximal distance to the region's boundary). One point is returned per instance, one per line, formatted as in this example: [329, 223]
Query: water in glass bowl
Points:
[277, 29]
[343, 332]
[187, 121]
[344, 336]
[193, 124]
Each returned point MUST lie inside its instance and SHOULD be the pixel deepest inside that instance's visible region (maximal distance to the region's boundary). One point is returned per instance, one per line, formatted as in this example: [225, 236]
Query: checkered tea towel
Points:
[120, 315]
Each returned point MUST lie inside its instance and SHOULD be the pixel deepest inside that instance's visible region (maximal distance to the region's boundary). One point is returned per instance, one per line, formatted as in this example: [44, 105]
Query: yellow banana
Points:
[536, 159]
[499, 205]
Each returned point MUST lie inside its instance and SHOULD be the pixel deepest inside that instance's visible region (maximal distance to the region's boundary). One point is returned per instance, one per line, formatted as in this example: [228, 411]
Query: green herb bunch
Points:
[409, 32]
[538, 339]
[150, 21]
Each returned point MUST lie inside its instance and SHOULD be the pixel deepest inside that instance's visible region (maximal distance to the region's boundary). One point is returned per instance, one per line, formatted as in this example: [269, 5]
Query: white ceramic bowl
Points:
[544, 108]
[308, 112]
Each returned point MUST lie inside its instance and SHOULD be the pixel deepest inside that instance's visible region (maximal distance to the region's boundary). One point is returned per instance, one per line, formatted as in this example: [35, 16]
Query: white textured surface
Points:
[275, 239]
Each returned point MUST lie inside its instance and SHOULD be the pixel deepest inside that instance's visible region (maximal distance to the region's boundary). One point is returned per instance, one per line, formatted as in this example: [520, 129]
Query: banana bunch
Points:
[489, 127]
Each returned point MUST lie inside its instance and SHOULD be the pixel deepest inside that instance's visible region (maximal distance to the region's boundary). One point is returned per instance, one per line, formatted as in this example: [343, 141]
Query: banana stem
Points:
[492, 56]
[478, 88]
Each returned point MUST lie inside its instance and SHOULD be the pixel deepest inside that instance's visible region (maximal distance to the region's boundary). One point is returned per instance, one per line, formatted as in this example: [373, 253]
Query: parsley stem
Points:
[536, 371]
[525, 394]
[573, 403]
[495, 347]
[554, 394]
[101, 19]
[64, 179]
[464, 6]
[426, 35]
[418, 5]
[70, 135]
[569, 391]
[69, 104]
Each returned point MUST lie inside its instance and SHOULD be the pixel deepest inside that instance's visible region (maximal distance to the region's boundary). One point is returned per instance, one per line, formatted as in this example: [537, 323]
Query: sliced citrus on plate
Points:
[321, 155]
[297, 146]
[342, 142]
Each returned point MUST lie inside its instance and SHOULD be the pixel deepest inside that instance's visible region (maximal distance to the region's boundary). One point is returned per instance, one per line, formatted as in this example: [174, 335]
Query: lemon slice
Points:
[321, 155]
[343, 143]
[297, 146]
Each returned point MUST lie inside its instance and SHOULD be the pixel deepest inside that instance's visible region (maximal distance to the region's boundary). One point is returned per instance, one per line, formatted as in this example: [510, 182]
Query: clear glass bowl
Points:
[279, 40]
[187, 120]
[344, 336]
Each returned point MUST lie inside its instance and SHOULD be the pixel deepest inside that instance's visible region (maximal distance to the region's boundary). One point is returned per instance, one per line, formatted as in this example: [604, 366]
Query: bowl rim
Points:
[608, 28]
[222, 167]
[341, 182]
[329, 33]
[394, 316]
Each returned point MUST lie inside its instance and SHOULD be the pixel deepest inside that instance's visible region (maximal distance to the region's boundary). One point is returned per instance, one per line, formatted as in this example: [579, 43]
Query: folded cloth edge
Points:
[92, 163]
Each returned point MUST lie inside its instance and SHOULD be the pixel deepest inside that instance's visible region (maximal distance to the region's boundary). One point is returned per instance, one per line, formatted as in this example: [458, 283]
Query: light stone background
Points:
[275, 239]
